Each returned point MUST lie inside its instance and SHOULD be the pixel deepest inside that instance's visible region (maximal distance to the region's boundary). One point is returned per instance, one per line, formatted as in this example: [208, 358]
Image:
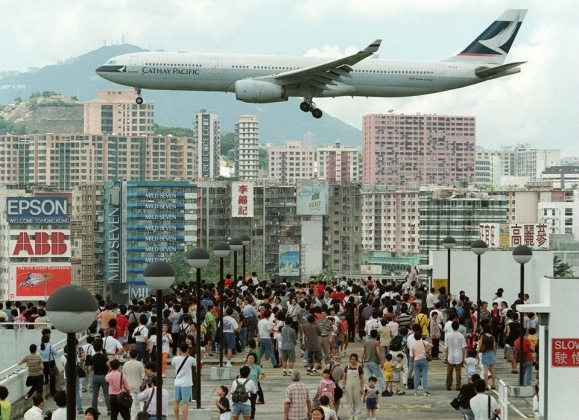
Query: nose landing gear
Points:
[139, 100]
[309, 106]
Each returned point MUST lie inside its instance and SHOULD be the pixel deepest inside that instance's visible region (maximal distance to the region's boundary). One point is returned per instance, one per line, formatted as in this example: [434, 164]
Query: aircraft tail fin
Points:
[493, 45]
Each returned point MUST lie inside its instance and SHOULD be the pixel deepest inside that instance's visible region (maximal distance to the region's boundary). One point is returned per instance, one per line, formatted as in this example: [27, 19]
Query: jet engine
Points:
[258, 91]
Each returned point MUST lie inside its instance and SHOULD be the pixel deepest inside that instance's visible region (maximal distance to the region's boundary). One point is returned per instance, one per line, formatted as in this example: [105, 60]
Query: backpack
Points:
[396, 343]
[240, 395]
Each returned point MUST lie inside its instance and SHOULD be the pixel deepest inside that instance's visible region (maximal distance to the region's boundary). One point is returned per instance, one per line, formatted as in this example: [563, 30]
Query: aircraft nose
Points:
[107, 68]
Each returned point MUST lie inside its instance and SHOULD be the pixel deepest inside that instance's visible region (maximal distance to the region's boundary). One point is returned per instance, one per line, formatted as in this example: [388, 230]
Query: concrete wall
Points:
[312, 246]
[498, 269]
[14, 344]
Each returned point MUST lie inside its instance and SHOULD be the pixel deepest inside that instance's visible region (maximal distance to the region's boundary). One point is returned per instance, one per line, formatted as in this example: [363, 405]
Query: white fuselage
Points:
[219, 72]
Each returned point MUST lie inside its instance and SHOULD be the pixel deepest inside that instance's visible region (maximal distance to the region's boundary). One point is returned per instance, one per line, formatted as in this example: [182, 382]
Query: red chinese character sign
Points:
[241, 199]
[565, 352]
[502, 235]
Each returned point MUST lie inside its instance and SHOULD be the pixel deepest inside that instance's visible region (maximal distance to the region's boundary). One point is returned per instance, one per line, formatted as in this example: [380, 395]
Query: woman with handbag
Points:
[35, 379]
[48, 354]
[119, 388]
[421, 353]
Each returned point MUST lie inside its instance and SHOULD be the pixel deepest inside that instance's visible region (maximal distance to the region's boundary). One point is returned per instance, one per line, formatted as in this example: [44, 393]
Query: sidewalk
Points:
[435, 407]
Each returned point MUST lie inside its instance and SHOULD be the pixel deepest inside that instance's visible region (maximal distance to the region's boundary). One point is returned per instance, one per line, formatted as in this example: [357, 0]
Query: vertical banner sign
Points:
[34, 281]
[289, 260]
[241, 199]
[113, 236]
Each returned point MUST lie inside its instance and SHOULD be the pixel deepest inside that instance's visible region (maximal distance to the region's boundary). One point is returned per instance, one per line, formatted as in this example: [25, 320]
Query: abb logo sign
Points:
[40, 243]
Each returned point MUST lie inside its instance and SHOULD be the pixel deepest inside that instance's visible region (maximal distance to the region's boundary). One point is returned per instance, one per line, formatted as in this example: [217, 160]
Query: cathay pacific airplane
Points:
[265, 78]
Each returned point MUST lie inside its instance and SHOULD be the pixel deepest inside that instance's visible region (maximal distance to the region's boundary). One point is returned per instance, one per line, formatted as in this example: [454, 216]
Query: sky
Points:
[537, 106]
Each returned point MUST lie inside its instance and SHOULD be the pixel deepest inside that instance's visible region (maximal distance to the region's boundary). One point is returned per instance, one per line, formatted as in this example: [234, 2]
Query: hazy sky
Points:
[539, 105]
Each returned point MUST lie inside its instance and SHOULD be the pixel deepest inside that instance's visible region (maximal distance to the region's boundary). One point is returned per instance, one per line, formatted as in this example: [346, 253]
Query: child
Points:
[470, 363]
[388, 373]
[327, 386]
[329, 414]
[5, 407]
[397, 368]
[343, 334]
[371, 398]
[223, 403]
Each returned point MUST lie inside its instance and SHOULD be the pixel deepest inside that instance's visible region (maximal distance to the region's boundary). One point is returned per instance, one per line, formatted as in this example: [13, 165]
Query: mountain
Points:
[278, 121]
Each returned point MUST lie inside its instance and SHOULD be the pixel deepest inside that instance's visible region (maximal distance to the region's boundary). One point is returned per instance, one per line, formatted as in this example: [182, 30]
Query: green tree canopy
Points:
[227, 143]
[561, 269]
[175, 131]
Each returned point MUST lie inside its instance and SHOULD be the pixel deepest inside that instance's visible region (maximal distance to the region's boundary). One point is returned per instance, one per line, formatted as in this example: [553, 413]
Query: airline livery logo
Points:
[497, 39]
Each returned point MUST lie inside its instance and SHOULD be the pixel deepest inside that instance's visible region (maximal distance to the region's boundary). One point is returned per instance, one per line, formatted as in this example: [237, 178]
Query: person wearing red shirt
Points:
[228, 281]
[529, 362]
[338, 294]
[122, 326]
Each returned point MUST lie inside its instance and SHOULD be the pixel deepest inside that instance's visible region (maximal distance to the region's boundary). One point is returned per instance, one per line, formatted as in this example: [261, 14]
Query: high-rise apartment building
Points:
[115, 112]
[390, 219]
[291, 162]
[64, 161]
[247, 147]
[401, 150]
[488, 170]
[207, 137]
[339, 163]
[457, 213]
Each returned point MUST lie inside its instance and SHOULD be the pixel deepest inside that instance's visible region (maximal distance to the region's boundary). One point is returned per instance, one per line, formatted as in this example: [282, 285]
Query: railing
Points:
[504, 400]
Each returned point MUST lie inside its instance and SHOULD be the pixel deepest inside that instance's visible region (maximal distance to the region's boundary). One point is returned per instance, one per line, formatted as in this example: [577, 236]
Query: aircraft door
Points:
[214, 66]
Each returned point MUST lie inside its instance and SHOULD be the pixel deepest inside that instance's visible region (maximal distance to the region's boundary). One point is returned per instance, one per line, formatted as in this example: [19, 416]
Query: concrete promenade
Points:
[408, 407]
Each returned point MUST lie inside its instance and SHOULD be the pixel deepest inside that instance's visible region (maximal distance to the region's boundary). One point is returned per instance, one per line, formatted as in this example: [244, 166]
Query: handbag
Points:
[143, 415]
[455, 403]
[428, 355]
[52, 369]
[124, 398]
[81, 372]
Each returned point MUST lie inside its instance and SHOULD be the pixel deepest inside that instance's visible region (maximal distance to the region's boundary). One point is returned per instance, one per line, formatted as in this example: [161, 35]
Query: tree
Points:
[227, 143]
[18, 100]
[328, 275]
[175, 131]
[561, 269]
[263, 158]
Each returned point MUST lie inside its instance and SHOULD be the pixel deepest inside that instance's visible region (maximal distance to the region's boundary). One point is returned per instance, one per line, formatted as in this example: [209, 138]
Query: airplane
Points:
[266, 78]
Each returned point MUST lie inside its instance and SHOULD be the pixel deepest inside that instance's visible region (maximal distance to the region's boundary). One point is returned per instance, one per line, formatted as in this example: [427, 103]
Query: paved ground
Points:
[407, 406]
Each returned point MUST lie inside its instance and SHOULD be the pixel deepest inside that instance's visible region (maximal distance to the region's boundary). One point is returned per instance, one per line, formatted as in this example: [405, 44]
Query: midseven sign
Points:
[37, 210]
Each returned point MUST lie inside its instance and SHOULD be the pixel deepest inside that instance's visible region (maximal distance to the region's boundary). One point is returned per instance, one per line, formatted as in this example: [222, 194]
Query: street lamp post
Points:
[198, 258]
[159, 276]
[246, 240]
[449, 242]
[522, 255]
[478, 247]
[236, 245]
[221, 250]
[71, 309]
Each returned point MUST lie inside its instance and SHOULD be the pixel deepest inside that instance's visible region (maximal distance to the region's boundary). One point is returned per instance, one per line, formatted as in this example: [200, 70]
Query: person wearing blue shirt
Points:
[48, 354]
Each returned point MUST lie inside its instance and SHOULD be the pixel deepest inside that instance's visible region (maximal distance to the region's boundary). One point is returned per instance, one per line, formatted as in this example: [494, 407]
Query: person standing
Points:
[230, 327]
[140, 335]
[60, 400]
[265, 328]
[487, 349]
[150, 395]
[435, 334]
[35, 379]
[386, 335]
[419, 350]
[99, 365]
[183, 380]
[256, 374]
[311, 339]
[372, 361]
[353, 386]
[48, 354]
[134, 371]
[528, 358]
[250, 319]
[297, 404]
[326, 329]
[117, 384]
[480, 404]
[288, 347]
[455, 353]
[35, 412]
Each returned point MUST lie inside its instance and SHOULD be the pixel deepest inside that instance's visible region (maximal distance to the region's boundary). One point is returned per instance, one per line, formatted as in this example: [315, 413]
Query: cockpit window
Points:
[112, 62]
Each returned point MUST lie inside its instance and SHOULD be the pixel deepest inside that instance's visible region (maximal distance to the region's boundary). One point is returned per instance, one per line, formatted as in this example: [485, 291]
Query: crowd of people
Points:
[402, 328]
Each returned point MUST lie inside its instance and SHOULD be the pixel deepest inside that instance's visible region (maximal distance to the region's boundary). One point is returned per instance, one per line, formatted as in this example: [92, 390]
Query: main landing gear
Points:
[308, 106]
[139, 100]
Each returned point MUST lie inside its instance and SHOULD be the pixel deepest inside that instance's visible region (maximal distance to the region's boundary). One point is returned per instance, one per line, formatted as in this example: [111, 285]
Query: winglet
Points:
[373, 47]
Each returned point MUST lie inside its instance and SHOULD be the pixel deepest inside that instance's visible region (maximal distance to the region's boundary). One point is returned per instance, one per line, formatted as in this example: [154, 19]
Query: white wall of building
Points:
[498, 269]
[312, 246]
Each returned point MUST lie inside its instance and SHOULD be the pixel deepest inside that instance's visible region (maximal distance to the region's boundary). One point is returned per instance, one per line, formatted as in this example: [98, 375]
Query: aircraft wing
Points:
[324, 76]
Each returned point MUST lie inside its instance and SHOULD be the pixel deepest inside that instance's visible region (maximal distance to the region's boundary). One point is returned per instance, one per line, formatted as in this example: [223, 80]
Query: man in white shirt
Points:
[431, 299]
[112, 346]
[480, 404]
[135, 372]
[455, 354]
[243, 409]
[264, 328]
[35, 412]
[183, 380]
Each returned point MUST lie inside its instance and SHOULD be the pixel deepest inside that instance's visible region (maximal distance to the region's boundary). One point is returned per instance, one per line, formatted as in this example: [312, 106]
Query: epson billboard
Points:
[37, 210]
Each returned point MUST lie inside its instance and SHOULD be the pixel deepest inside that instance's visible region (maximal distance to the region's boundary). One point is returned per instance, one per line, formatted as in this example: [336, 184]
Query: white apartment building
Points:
[488, 170]
[207, 137]
[115, 111]
[339, 163]
[247, 147]
[560, 216]
[291, 162]
[389, 219]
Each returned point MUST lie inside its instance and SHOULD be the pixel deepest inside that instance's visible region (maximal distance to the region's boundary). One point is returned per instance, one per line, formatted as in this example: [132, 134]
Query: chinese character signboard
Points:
[289, 260]
[33, 281]
[241, 199]
[504, 235]
[565, 352]
[37, 210]
[312, 200]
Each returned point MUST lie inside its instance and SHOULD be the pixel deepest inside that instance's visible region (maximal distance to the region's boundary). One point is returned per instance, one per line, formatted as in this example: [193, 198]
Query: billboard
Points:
[505, 235]
[312, 200]
[37, 210]
[114, 241]
[39, 243]
[289, 260]
[29, 281]
[241, 199]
